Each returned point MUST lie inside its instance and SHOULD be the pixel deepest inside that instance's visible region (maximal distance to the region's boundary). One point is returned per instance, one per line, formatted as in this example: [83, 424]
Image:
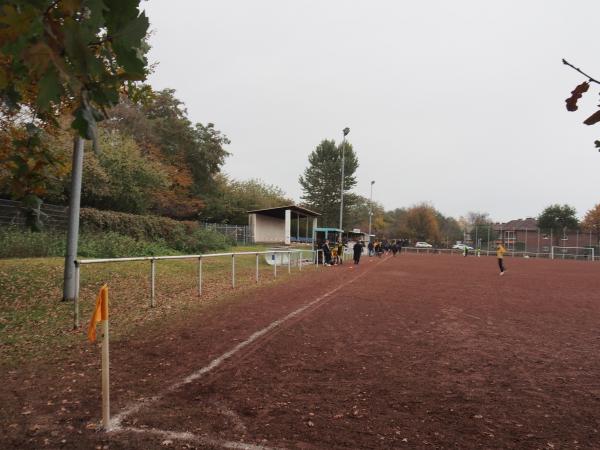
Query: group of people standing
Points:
[379, 248]
[333, 253]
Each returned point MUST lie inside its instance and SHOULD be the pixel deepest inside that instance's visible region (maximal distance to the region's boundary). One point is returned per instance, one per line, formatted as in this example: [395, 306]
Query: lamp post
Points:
[345, 131]
[371, 209]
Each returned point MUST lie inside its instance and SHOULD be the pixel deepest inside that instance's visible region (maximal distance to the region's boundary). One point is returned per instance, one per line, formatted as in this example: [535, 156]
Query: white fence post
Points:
[257, 267]
[105, 377]
[289, 262]
[275, 265]
[76, 298]
[152, 284]
[199, 276]
[233, 270]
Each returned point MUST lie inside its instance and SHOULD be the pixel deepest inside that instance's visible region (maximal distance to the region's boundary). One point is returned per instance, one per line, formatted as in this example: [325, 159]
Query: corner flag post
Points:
[105, 377]
[100, 314]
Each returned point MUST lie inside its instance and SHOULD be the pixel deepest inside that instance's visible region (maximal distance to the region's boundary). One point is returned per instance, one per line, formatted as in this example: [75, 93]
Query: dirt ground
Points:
[417, 351]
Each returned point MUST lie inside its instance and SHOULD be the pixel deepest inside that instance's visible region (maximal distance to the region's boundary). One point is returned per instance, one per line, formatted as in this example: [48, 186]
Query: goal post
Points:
[584, 253]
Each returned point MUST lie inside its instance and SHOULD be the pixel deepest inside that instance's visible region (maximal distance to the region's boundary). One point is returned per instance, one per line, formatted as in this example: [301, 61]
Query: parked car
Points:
[423, 245]
[462, 247]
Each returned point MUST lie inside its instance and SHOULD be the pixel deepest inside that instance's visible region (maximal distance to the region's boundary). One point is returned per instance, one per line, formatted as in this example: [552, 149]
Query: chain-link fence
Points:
[239, 233]
[524, 242]
[13, 213]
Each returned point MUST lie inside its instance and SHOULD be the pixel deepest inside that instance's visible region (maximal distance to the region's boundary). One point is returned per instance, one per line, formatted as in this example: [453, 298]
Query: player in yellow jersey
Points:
[500, 251]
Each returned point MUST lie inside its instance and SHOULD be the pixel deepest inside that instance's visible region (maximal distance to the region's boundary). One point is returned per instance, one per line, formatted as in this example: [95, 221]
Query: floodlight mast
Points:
[371, 208]
[345, 132]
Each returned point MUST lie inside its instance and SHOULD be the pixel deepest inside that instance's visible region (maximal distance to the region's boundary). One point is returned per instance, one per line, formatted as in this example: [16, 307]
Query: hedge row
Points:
[136, 226]
[187, 237]
[109, 234]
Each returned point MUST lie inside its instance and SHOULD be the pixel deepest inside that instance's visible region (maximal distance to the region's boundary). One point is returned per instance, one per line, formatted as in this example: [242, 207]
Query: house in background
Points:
[524, 235]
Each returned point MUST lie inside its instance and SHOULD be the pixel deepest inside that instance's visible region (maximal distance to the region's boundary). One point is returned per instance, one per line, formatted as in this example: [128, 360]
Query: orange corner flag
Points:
[100, 312]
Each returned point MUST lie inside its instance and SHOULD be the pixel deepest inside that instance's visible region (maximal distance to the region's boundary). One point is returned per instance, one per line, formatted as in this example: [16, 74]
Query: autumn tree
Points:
[422, 223]
[62, 58]
[558, 219]
[357, 213]
[450, 229]
[394, 224]
[591, 222]
[191, 154]
[230, 200]
[321, 180]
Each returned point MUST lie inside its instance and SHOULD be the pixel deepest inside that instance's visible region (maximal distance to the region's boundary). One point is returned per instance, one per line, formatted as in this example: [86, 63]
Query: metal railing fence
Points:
[512, 253]
[298, 261]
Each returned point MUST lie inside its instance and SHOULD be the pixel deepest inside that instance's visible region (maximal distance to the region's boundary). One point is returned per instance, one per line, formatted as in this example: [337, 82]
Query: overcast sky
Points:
[457, 103]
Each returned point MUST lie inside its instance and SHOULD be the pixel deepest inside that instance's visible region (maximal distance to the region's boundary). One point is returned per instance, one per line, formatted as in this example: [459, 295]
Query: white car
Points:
[462, 247]
[423, 245]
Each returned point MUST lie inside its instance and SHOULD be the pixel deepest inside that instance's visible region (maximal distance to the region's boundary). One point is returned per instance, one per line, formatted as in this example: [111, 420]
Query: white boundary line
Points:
[186, 436]
[118, 419]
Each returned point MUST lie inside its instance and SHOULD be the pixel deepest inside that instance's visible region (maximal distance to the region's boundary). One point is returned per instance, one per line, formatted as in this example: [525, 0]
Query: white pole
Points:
[233, 271]
[73, 227]
[257, 267]
[342, 188]
[76, 299]
[152, 277]
[199, 276]
[105, 378]
[275, 265]
[300, 261]
[289, 262]
[371, 209]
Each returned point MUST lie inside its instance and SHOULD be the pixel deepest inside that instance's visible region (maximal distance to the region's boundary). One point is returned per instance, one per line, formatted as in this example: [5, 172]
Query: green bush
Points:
[183, 236]
[202, 240]
[16, 243]
[149, 228]
[109, 234]
[114, 245]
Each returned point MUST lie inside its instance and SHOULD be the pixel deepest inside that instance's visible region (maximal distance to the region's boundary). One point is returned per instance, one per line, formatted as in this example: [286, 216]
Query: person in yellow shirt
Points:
[500, 251]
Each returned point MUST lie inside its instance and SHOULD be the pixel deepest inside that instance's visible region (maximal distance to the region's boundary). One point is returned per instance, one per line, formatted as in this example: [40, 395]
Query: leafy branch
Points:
[67, 58]
[577, 93]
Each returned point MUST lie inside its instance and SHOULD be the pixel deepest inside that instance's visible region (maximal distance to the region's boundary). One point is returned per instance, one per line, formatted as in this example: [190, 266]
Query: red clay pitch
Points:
[417, 351]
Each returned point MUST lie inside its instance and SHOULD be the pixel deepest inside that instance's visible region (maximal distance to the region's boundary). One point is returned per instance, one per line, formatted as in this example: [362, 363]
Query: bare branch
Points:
[590, 79]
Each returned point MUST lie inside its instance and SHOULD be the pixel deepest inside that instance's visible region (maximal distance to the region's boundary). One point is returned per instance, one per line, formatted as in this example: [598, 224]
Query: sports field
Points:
[416, 351]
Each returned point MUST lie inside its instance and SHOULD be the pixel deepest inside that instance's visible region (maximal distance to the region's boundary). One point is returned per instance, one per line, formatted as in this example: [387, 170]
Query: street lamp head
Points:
[346, 131]
[372, 182]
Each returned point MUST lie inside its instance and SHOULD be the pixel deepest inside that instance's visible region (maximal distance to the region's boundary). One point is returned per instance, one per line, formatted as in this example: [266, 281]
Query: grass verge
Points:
[36, 325]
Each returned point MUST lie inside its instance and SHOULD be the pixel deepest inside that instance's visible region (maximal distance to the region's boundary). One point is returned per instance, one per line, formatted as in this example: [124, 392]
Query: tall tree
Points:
[357, 215]
[65, 57]
[395, 224]
[591, 222]
[450, 229]
[230, 200]
[321, 181]
[558, 219]
[422, 223]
